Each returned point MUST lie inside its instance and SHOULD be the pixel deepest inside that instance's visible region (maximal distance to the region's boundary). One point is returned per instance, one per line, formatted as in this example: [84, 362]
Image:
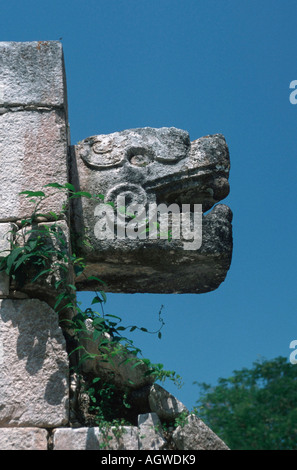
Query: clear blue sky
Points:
[206, 66]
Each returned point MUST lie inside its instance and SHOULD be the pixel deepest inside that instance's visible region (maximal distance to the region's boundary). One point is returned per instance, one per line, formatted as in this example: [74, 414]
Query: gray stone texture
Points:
[23, 439]
[163, 162]
[33, 124]
[5, 237]
[4, 285]
[164, 404]
[32, 74]
[34, 366]
[150, 432]
[93, 439]
[195, 435]
[119, 368]
[33, 149]
[153, 166]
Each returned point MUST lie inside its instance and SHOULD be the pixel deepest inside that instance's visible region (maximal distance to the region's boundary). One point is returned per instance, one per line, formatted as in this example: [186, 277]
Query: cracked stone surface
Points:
[92, 439]
[152, 166]
[195, 435]
[33, 153]
[34, 366]
[150, 432]
[33, 125]
[124, 370]
[32, 74]
[23, 439]
[164, 404]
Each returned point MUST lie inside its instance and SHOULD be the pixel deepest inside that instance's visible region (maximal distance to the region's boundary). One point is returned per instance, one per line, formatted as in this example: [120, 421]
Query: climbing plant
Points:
[39, 252]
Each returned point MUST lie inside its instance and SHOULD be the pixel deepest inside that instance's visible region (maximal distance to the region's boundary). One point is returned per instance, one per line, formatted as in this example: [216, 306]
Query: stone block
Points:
[160, 163]
[34, 390]
[119, 369]
[195, 435]
[23, 439]
[94, 439]
[33, 149]
[5, 237]
[76, 439]
[32, 74]
[124, 438]
[4, 284]
[164, 404]
[151, 167]
[150, 432]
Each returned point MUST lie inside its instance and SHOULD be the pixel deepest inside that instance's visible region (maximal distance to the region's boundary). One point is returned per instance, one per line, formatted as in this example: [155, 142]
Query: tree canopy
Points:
[255, 409]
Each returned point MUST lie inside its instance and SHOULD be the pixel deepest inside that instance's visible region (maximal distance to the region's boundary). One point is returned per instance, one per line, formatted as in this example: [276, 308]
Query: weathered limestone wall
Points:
[147, 435]
[38, 398]
[34, 366]
[33, 124]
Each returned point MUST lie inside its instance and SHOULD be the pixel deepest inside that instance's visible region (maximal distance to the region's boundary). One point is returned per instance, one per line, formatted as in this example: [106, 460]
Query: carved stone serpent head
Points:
[147, 166]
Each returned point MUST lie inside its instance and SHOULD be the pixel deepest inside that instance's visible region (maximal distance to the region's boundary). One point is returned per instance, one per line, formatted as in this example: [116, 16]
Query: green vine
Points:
[40, 252]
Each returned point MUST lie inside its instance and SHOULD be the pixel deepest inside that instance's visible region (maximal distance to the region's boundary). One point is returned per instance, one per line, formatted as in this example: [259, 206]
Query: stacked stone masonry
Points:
[148, 435]
[39, 398]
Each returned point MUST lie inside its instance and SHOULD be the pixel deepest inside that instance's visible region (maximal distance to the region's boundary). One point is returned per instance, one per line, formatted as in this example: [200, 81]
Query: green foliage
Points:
[255, 409]
[181, 419]
[107, 405]
[38, 251]
[35, 256]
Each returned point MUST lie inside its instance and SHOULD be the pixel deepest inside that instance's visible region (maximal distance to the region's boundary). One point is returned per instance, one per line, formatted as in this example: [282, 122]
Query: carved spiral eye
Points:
[133, 194]
[100, 147]
[140, 156]
[100, 155]
[125, 196]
